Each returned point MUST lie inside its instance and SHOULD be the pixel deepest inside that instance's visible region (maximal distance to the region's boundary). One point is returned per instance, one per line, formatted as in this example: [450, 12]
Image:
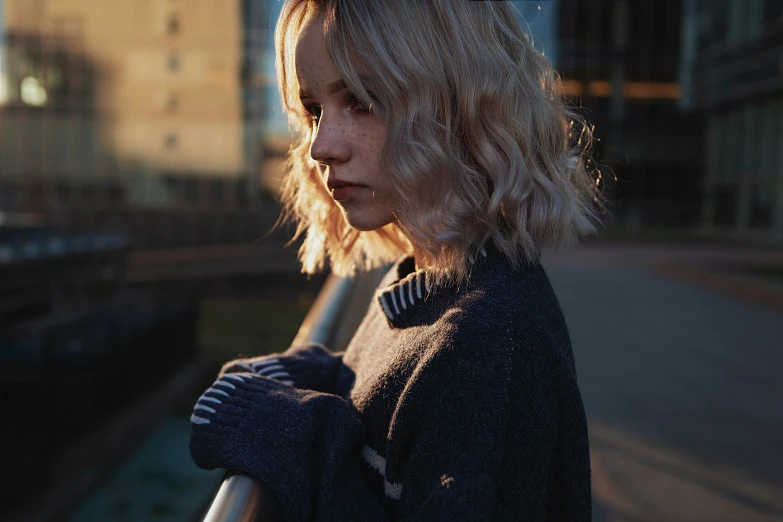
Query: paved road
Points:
[682, 387]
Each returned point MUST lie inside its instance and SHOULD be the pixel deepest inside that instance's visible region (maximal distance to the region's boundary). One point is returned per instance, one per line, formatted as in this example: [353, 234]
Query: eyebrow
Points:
[332, 88]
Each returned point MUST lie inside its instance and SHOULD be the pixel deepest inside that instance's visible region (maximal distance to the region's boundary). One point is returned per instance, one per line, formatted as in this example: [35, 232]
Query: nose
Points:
[330, 143]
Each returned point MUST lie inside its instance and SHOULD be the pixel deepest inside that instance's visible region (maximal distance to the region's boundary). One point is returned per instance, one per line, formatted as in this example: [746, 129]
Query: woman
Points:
[432, 132]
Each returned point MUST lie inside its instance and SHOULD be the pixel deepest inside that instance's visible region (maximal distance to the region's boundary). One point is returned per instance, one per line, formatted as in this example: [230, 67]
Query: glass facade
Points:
[778, 149]
[275, 122]
[767, 143]
[745, 149]
[744, 108]
[3, 73]
[255, 27]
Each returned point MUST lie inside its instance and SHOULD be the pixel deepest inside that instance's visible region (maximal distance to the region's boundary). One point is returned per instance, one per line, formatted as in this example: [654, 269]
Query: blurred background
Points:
[140, 152]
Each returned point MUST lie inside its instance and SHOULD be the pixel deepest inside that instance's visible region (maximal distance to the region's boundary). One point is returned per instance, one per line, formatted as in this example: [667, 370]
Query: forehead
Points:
[311, 31]
[311, 57]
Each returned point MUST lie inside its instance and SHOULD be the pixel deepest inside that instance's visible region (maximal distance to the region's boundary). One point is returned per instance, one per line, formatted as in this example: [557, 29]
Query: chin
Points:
[365, 223]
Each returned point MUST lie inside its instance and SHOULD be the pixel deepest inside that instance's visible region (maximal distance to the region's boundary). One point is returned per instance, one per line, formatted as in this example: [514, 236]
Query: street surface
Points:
[681, 384]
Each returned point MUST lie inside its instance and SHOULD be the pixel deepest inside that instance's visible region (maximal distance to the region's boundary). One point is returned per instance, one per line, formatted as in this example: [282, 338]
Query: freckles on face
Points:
[346, 139]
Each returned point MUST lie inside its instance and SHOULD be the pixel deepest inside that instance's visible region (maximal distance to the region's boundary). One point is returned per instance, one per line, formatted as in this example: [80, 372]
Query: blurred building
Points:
[131, 102]
[732, 70]
[619, 60]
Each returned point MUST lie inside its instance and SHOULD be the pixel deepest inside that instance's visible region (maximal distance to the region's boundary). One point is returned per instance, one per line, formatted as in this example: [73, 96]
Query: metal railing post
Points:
[241, 498]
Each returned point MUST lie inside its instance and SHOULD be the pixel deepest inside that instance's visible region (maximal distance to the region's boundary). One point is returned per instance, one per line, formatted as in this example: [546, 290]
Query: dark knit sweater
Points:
[451, 403]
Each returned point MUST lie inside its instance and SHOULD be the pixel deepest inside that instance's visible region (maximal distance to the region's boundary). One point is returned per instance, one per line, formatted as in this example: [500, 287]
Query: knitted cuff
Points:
[309, 366]
[285, 437]
[217, 434]
[272, 366]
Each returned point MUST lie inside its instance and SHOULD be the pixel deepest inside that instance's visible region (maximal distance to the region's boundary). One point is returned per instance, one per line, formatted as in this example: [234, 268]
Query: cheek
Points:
[373, 138]
[375, 142]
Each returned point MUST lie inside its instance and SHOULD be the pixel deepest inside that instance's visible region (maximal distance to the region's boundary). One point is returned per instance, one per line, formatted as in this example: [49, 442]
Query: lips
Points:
[343, 190]
[338, 184]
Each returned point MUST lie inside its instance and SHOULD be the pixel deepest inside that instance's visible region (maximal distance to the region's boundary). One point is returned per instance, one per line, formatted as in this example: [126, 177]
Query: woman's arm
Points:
[302, 444]
[308, 448]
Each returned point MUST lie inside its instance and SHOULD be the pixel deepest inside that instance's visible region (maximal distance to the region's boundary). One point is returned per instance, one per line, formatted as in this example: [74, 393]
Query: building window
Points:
[761, 207]
[116, 193]
[713, 147]
[768, 150]
[773, 10]
[172, 102]
[191, 190]
[172, 25]
[64, 193]
[722, 154]
[90, 194]
[754, 18]
[171, 141]
[734, 141]
[736, 22]
[242, 193]
[749, 150]
[778, 166]
[725, 206]
[216, 191]
[173, 62]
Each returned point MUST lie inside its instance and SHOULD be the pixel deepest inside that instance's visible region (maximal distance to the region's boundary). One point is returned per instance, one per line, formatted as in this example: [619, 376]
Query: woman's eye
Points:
[353, 104]
[314, 111]
[356, 105]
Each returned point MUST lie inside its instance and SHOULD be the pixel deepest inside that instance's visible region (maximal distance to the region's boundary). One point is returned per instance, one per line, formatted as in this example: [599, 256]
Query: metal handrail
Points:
[241, 498]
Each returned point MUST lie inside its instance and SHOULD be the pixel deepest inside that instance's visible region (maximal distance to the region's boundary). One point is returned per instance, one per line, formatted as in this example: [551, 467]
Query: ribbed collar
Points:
[400, 300]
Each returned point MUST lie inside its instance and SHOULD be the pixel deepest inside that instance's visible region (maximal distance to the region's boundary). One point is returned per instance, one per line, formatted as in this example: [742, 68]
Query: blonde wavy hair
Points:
[476, 128]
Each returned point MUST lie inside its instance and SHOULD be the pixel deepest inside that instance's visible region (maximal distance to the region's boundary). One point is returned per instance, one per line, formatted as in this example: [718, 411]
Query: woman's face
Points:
[346, 139]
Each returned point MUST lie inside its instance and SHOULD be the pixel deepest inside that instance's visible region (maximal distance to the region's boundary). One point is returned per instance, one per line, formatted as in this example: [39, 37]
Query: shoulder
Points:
[500, 291]
[511, 312]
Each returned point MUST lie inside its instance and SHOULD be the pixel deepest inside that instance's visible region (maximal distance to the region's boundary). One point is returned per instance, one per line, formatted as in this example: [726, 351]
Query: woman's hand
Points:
[222, 417]
[308, 366]
[268, 365]
[222, 395]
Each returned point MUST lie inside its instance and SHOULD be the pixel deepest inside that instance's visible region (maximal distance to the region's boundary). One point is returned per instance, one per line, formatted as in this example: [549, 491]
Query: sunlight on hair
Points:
[481, 144]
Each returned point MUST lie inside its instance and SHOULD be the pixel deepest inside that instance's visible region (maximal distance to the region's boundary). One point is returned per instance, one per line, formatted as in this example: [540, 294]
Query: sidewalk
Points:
[717, 267]
[679, 368]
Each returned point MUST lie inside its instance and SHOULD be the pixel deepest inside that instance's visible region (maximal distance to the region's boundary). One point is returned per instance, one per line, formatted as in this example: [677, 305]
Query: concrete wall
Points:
[168, 94]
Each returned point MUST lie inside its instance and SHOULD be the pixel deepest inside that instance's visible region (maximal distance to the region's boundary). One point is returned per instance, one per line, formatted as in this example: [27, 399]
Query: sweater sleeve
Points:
[304, 445]
[308, 447]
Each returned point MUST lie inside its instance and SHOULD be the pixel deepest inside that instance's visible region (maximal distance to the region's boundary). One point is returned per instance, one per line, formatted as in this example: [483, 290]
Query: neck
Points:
[419, 259]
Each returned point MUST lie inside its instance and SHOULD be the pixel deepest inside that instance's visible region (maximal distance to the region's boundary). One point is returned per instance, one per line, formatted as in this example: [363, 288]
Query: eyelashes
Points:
[357, 106]
[314, 111]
